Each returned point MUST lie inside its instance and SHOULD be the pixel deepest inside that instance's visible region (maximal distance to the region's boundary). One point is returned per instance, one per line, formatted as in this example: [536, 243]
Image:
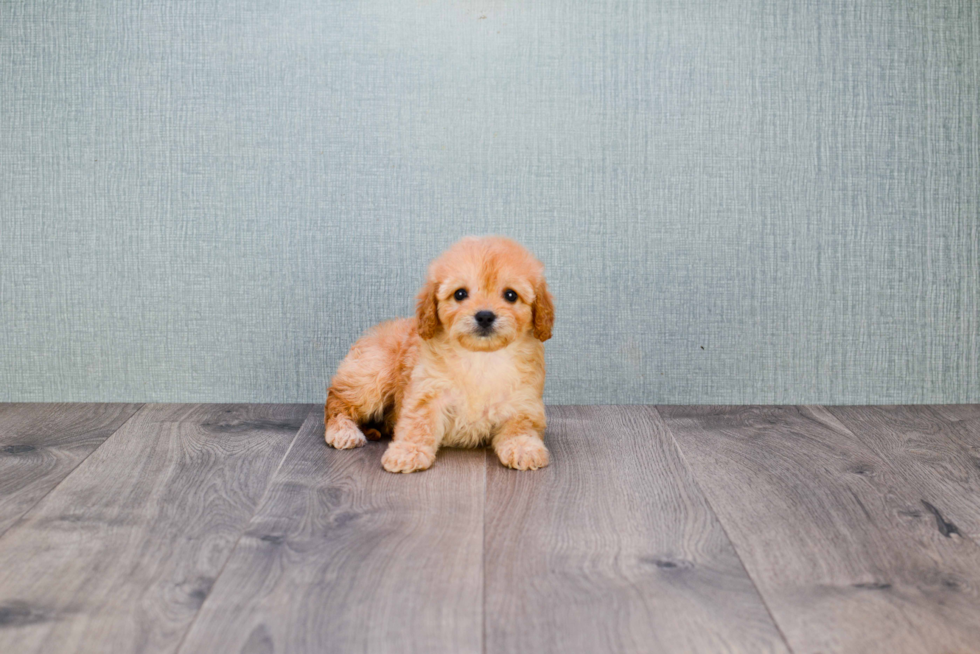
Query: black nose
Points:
[485, 318]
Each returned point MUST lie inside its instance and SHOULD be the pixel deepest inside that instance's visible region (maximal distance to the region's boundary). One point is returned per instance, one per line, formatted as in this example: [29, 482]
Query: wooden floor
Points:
[233, 528]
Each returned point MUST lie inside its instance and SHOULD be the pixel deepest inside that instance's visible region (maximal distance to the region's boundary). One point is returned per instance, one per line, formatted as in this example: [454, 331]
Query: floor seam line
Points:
[912, 483]
[724, 530]
[231, 552]
[17, 522]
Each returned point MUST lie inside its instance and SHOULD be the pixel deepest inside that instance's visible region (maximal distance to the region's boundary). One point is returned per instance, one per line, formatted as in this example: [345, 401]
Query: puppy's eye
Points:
[510, 296]
[460, 294]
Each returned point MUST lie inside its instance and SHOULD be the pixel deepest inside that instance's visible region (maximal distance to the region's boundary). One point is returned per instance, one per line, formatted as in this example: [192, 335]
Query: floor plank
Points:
[964, 423]
[968, 413]
[120, 556]
[837, 542]
[345, 557]
[41, 443]
[924, 448]
[612, 548]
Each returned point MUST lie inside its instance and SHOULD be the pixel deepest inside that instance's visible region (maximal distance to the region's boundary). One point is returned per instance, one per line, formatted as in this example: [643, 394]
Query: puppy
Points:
[467, 370]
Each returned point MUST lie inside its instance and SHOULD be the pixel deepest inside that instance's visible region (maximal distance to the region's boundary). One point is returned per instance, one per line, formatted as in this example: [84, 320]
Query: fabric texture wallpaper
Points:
[751, 201]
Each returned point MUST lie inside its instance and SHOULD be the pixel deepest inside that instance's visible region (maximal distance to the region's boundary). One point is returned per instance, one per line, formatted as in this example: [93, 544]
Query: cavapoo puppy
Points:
[467, 370]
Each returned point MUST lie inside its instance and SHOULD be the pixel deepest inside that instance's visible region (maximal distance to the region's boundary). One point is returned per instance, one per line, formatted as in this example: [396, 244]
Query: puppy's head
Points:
[485, 293]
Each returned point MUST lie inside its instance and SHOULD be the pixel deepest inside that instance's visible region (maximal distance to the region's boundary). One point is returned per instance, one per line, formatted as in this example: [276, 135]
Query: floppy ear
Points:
[425, 311]
[543, 311]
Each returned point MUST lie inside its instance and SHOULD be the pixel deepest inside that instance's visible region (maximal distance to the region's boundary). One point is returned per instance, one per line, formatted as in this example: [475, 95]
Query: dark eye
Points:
[510, 296]
[460, 294]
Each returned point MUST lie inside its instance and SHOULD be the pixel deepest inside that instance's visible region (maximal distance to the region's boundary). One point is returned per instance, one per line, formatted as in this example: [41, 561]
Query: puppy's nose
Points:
[484, 318]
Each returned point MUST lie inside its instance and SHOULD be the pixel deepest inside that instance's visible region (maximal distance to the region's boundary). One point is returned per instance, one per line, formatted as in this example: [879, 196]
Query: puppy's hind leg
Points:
[351, 400]
[342, 431]
[362, 387]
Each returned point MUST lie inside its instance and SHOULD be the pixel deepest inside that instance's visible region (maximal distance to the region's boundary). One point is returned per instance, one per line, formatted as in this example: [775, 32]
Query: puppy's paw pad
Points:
[403, 457]
[344, 435]
[523, 453]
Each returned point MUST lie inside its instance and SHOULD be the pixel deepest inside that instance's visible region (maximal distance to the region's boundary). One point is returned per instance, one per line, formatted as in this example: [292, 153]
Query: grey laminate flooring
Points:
[233, 528]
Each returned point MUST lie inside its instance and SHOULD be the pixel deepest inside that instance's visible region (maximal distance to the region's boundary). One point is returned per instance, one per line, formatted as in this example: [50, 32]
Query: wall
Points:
[745, 201]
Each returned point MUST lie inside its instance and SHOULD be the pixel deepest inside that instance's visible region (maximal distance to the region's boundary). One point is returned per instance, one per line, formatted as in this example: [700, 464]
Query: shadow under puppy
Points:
[467, 370]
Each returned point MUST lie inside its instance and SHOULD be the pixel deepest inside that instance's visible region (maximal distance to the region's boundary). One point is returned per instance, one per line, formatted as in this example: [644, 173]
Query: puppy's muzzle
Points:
[484, 322]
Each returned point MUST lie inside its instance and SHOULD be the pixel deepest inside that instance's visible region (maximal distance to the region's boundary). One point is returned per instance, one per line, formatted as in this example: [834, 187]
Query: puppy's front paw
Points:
[343, 434]
[407, 457]
[523, 453]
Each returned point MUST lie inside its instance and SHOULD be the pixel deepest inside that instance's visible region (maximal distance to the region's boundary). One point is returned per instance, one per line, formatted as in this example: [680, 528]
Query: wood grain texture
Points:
[839, 543]
[41, 443]
[121, 555]
[612, 548]
[968, 413]
[927, 450]
[963, 422]
[345, 557]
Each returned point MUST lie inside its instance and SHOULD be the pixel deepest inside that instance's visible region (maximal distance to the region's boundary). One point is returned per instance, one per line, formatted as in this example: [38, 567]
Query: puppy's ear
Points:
[543, 311]
[425, 311]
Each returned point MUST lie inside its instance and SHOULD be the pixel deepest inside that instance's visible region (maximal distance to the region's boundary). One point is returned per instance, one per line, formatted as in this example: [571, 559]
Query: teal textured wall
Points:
[744, 201]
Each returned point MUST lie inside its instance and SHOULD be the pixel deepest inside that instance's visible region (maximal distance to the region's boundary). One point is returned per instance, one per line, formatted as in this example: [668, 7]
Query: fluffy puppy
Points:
[467, 370]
